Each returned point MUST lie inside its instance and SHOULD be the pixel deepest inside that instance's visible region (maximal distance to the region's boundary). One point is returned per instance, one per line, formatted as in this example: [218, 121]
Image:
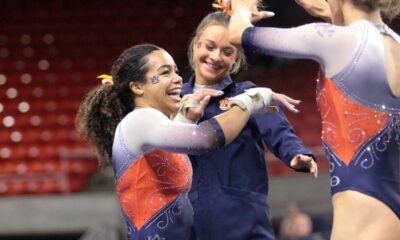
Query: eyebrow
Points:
[213, 42]
[165, 66]
[170, 67]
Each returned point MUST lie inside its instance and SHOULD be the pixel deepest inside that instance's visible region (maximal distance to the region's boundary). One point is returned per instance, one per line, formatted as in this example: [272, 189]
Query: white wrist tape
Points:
[254, 100]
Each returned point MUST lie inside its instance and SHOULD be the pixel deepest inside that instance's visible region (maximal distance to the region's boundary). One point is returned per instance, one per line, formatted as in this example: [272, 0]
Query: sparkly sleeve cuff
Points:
[247, 37]
[218, 131]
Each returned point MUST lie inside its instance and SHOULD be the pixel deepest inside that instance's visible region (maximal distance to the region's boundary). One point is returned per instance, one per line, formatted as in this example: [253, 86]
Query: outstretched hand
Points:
[244, 13]
[304, 162]
[252, 7]
[316, 8]
[288, 102]
[259, 15]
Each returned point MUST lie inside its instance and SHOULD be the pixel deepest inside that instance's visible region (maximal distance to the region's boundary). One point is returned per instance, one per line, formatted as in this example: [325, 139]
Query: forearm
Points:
[232, 122]
[316, 8]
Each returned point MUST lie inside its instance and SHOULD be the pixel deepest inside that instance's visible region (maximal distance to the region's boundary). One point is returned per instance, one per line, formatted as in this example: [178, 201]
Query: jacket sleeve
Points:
[278, 134]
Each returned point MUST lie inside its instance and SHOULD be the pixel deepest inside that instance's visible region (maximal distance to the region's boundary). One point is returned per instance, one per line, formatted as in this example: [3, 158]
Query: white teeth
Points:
[212, 66]
[174, 92]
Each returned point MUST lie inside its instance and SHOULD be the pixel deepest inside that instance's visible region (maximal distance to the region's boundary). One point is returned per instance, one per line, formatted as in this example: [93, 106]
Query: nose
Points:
[177, 78]
[215, 55]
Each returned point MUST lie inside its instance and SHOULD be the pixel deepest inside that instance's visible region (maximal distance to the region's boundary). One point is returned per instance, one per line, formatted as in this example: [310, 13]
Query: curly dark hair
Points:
[105, 106]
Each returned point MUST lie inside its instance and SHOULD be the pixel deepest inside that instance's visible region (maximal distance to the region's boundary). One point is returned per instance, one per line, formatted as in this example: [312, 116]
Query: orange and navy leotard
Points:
[153, 175]
[360, 114]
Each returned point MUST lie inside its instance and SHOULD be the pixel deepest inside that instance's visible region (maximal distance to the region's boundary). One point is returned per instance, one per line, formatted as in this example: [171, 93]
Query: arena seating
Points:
[50, 55]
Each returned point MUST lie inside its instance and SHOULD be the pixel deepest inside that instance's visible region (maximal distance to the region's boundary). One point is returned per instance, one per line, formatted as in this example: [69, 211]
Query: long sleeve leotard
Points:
[153, 173]
[360, 114]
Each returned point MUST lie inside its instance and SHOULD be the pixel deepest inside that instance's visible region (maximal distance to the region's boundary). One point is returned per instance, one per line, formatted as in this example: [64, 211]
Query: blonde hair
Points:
[221, 19]
[390, 8]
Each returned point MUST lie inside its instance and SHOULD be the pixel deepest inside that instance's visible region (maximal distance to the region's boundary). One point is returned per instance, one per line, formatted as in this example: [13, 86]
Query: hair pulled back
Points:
[390, 8]
[105, 106]
[218, 18]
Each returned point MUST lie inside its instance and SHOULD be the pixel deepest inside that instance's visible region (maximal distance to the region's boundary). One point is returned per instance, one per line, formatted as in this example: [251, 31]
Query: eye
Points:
[165, 72]
[209, 47]
[228, 52]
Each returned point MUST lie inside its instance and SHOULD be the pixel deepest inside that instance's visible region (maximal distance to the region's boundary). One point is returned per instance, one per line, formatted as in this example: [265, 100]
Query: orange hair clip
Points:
[223, 5]
[106, 79]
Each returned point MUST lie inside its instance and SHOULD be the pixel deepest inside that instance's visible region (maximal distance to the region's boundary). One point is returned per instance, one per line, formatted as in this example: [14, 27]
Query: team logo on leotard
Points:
[324, 29]
[224, 104]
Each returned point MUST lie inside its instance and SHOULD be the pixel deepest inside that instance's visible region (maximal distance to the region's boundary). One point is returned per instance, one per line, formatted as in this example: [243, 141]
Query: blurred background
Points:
[50, 54]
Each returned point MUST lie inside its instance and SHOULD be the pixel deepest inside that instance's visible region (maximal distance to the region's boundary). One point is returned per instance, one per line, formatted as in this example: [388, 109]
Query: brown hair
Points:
[390, 8]
[215, 18]
[105, 106]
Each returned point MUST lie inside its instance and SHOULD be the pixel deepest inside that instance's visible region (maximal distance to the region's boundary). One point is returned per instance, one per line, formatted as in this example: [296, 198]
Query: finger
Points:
[257, 16]
[206, 92]
[202, 105]
[198, 109]
[204, 102]
[290, 106]
[314, 169]
[212, 92]
[299, 2]
[312, 165]
[294, 161]
[292, 101]
[265, 14]
[186, 97]
[283, 100]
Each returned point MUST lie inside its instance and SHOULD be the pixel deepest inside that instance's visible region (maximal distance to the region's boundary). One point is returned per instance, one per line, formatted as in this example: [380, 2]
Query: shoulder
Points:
[143, 115]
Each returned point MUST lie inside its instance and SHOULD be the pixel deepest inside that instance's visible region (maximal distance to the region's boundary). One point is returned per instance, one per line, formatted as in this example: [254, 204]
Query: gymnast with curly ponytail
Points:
[106, 105]
[139, 123]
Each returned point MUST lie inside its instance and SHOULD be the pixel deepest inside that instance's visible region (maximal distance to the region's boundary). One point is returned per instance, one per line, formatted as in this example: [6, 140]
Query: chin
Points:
[212, 78]
[175, 109]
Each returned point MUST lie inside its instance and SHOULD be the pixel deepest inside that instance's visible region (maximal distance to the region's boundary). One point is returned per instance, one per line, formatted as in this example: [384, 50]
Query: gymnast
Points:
[358, 95]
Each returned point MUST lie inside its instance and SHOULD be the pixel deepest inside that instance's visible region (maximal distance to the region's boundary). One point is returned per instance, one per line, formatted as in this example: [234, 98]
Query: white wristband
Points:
[254, 100]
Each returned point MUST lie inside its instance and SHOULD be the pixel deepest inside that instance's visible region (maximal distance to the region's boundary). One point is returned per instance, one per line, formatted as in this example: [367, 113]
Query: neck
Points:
[142, 103]
[201, 81]
[353, 13]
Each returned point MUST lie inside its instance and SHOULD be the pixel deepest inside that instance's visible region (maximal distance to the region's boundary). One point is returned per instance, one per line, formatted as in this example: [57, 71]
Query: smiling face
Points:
[163, 84]
[213, 55]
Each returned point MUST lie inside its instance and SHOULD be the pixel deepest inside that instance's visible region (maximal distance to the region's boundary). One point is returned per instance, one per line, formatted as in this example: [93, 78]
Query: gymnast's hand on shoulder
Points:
[193, 105]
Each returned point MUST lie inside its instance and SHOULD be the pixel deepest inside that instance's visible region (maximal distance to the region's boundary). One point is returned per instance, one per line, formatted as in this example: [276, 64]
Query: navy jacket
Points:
[230, 184]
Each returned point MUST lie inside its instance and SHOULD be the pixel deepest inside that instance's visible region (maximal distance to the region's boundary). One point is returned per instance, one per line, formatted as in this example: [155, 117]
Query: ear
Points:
[136, 88]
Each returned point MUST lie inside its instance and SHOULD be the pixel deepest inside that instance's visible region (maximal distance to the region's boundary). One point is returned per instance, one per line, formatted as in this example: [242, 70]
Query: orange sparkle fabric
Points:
[152, 182]
[346, 124]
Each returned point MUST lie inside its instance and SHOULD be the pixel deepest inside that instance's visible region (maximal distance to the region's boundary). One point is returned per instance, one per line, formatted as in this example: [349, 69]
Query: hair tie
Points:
[223, 5]
[106, 79]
